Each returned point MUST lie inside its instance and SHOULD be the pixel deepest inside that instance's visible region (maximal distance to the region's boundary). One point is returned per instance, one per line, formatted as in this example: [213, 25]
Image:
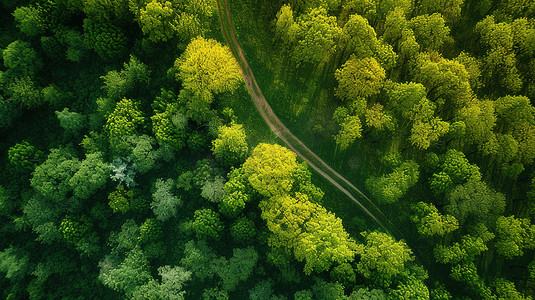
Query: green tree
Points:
[24, 157]
[389, 188]
[90, 177]
[351, 129]
[450, 9]
[165, 204]
[474, 200]
[119, 200]
[166, 131]
[230, 147]
[118, 84]
[158, 21]
[359, 78]
[199, 258]
[109, 41]
[412, 288]
[52, 177]
[382, 259]
[243, 230]
[447, 82]
[170, 287]
[430, 222]
[431, 31]
[315, 235]
[30, 20]
[71, 122]
[73, 229]
[21, 59]
[125, 120]
[207, 224]
[318, 35]
[270, 168]
[131, 273]
[238, 268]
[513, 235]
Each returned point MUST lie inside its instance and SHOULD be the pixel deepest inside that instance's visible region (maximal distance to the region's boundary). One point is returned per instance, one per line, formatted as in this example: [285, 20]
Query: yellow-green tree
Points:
[315, 235]
[230, 147]
[270, 169]
[207, 68]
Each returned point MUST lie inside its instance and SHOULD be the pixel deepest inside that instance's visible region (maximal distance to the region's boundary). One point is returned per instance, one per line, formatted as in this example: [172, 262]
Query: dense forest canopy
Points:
[135, 165]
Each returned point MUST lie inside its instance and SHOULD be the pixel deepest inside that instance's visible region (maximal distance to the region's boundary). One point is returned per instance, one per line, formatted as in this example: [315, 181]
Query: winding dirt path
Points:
[344, 185]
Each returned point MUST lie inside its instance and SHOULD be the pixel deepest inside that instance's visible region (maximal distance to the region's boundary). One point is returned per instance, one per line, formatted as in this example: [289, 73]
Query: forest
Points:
[135, 164]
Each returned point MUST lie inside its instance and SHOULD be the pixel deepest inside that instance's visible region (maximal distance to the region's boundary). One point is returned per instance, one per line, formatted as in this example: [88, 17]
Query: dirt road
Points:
[314, 161]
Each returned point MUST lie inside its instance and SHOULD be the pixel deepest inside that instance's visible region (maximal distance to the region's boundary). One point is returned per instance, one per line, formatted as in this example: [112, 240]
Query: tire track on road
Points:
[294, 143]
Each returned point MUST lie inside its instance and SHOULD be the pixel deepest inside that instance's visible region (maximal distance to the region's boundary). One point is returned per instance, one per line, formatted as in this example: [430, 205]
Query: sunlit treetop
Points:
[208, 67]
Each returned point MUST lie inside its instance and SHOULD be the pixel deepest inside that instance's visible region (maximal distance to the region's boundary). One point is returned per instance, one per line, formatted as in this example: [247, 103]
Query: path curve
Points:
[294, 143]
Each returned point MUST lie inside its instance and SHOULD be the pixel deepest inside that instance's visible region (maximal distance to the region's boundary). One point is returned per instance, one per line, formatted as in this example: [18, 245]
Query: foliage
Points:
[164, 204]
[315, 235]
[91, 176]
[119, 200]
[382, 259]
[23, 157]
[269, 169]
[207, 224]
[391, 187]
[108, 40]
[205, 77]
[359, 78]
[230, 147]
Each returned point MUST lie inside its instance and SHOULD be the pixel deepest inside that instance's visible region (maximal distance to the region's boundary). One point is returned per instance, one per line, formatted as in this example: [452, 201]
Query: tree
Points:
[359, 78]
[158, 21]
[238, 268]
[447, 82]
[430, 222]
[513, 111]
[206, 67]
[506, 290]
[74, 229]
[424, 133]
[21, 59]
[237, 193]
[166, 131]
[15, 263]
[286, 28]
[199, 258]
[351, 129]
[431, 31]
[450, 9]
[476, 201]
[243, 230]
[454, 169]
[30, 20]
[207, 224]
[315, 235]
[125, 120]
[513, 235]
[170, 287]
[230, 147]
[24, 157]
[318, 34]
[270, 168]
[382, 259]
[71, 122]
[108, 40]
[118, 84]
[164, 204]
[90, 177]
[52, 177]
[412, 288]
[391, 187]
[131, 273]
